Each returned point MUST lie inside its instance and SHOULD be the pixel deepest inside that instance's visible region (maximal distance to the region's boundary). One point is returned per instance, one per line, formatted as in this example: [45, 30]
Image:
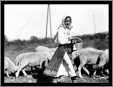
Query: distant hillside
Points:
[98, 40]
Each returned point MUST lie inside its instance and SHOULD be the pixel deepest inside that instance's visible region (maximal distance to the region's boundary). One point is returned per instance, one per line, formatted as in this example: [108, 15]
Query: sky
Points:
[23, 21]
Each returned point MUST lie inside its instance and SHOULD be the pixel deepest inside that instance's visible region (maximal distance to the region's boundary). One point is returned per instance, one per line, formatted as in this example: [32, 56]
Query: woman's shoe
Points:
[73, 78]
[50, 73]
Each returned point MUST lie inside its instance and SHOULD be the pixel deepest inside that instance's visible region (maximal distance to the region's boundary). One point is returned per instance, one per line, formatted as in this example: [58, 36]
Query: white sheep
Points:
[104, 60]
[49, 51]
[87, 55]
[9, 66]
[42, 49]
[31, 59]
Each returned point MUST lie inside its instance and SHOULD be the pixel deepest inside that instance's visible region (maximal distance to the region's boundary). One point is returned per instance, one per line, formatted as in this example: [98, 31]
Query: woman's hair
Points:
[67, 18]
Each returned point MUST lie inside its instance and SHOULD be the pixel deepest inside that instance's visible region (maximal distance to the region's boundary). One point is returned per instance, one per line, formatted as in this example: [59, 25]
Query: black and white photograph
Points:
[56, 43]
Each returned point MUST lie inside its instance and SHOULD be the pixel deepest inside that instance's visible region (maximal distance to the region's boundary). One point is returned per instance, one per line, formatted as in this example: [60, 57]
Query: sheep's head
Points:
[13, 69]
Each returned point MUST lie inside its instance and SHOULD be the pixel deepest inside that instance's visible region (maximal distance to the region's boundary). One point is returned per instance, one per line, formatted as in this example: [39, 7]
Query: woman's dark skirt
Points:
[57, 59]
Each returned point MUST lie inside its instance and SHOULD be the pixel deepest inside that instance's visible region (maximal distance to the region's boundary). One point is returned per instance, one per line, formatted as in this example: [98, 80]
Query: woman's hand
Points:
[70, 38]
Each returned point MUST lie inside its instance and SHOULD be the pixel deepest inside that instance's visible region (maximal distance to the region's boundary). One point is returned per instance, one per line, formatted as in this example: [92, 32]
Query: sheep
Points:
[37, 49]
[9, 66]
[104, 60]
[31, 59]
[42, 49]
[87, 55]
[49, 51]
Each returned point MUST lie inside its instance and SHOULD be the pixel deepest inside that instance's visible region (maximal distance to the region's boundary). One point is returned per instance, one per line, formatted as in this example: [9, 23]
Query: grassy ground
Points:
[13, 51]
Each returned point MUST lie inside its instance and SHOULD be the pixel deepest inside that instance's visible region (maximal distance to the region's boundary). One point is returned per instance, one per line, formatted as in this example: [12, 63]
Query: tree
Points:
[34, 39]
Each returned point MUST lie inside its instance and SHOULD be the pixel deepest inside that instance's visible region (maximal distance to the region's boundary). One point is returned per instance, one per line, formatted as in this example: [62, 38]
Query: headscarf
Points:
[63, 25]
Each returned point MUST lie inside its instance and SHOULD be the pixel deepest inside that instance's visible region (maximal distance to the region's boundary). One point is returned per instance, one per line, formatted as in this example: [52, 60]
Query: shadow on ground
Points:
[42, 78]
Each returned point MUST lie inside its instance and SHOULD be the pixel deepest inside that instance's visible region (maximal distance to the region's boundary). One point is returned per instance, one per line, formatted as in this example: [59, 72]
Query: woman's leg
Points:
[55, 62]
[62, 71]
[71, 68]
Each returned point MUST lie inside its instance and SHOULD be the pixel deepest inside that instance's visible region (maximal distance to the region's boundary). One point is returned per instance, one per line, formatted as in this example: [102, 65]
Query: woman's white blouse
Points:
[63, 35]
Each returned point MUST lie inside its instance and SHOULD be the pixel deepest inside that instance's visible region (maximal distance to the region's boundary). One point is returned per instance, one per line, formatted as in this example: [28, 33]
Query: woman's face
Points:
[67, 22]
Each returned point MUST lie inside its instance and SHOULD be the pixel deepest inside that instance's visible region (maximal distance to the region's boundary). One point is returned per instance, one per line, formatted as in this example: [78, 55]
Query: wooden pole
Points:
[47, 21]
[50, 21]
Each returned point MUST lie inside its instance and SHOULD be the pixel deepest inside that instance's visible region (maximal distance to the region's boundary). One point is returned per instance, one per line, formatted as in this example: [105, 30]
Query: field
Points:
[12, 49]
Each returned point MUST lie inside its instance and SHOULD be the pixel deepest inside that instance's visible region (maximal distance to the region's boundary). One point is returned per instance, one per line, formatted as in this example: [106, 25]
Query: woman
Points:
[60, 63]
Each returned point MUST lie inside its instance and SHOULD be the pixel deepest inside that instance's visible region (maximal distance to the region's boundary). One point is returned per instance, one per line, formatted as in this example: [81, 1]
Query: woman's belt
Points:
[67, 47]
[64, 45]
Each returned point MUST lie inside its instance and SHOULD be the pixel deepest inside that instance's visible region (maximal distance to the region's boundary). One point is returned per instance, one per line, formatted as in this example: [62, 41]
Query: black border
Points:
[55, 2]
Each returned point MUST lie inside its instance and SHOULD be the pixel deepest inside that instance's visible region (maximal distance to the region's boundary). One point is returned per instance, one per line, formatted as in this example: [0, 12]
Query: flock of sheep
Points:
[98, 58]
[42, 55]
